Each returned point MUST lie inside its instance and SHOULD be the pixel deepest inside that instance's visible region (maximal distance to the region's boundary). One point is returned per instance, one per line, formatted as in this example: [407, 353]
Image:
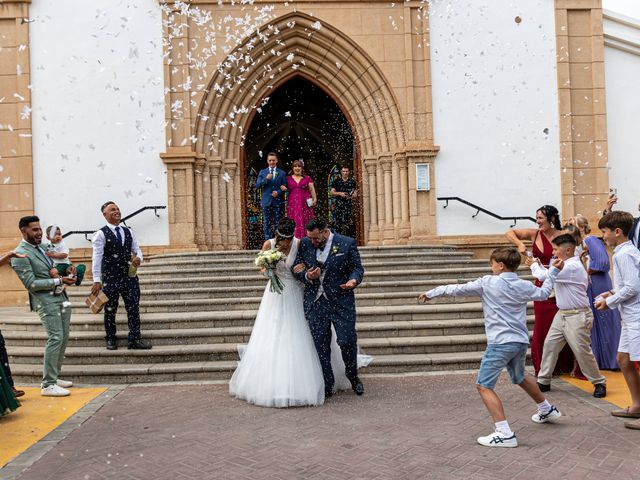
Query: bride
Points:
[279, 366]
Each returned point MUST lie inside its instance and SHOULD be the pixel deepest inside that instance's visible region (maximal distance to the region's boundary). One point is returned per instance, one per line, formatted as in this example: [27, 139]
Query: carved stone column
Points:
[371, 163]
[181, 205]
[404, 228]
[206, 191]
[222, 207]
[377, 169]
[389, 231]
[199, 197]
[230, 166]
[214, 172]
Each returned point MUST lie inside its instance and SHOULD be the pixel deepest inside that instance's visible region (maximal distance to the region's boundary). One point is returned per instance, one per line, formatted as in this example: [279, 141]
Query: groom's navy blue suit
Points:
[337, 306]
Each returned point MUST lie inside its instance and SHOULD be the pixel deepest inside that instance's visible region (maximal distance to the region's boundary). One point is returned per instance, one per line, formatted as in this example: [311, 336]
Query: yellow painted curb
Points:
[617, 391]
[37, 417]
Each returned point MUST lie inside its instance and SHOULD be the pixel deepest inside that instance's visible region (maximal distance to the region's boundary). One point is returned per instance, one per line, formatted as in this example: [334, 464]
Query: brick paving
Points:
[420, 427]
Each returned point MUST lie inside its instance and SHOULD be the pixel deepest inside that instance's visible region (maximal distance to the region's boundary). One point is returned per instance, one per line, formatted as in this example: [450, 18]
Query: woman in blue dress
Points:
[605, 333]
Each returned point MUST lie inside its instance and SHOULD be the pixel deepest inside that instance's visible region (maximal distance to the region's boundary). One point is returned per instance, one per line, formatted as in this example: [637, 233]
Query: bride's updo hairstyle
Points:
[285, 230]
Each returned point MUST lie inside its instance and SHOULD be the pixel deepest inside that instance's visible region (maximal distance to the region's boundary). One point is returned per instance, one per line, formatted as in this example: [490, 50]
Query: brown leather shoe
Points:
[17, 393]
[625, 413]
[633, 425]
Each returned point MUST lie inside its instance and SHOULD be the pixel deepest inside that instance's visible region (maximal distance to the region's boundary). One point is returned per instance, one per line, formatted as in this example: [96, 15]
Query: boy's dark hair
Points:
[274, 154]
[316, 224]
[25, 221]
[507, 255]
[565, 239]
[105, 205]
[617, 219]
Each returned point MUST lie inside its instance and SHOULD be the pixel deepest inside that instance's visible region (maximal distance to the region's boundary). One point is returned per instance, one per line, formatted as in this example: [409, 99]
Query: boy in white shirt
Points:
[615, 228]
[573, 322]
[504, 303]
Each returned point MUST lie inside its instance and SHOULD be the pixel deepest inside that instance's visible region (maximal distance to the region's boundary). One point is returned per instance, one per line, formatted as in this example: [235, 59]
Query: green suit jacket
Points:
[33, 272]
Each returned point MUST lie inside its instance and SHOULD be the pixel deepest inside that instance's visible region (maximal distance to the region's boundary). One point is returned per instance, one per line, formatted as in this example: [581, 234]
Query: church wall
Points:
[98, 113]
[494, 97]
[622, 70]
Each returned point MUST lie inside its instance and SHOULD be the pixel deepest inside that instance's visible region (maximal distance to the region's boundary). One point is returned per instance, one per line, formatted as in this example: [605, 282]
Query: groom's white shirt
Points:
[322, 256]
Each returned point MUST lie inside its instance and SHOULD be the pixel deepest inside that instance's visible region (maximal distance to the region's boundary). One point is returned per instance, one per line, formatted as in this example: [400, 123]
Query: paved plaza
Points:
[402, 428]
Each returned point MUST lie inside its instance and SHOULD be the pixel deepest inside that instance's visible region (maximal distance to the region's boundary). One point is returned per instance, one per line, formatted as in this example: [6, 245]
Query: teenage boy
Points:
[615, 228]
[504, 303]
[573, 322]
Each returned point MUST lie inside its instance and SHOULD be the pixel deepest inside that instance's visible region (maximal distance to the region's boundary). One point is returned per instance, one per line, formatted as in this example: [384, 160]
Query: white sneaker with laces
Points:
[499, 439]
[64, 383]
[54, 391]
[550, 416]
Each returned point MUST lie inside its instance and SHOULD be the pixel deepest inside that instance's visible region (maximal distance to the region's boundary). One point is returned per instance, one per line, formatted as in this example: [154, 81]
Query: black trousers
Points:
[129, 289]
[4, 360]
[322, 314]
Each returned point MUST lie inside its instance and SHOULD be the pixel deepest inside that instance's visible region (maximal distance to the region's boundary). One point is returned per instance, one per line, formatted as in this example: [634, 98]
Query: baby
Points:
[58, 252]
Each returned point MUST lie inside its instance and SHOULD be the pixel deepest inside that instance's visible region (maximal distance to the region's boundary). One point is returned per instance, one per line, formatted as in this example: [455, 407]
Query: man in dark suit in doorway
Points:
[272, 181]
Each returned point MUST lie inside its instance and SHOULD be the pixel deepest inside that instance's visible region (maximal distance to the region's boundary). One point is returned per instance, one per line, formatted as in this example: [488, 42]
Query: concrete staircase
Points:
[196, 309]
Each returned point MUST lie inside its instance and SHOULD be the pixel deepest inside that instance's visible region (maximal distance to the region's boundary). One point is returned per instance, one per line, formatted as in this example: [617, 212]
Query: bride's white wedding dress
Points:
[279, 367]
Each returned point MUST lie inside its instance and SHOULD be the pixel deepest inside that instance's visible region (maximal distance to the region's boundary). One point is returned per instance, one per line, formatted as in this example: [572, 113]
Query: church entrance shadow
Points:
[298, 120]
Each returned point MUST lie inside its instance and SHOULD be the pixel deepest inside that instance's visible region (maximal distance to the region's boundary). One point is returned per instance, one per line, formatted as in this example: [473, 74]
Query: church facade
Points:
[164, 103]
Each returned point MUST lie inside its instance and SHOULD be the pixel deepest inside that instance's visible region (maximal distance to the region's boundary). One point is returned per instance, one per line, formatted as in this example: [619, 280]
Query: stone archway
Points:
[318, 51]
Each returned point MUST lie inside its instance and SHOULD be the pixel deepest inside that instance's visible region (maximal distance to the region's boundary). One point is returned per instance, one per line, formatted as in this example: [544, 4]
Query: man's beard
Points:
[32, 240]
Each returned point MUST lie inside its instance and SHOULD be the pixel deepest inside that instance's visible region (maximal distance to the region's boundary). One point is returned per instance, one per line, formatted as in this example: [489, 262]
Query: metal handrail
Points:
[484, 210]
[86, 233]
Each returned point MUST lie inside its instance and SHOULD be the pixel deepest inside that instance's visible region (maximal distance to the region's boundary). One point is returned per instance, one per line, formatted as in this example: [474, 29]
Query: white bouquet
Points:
[268, 260]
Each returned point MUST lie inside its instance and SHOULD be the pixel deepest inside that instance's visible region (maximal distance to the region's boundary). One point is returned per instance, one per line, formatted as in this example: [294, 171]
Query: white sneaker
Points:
[498, 439]
[550, 416]
[64, 383]
[54, 391]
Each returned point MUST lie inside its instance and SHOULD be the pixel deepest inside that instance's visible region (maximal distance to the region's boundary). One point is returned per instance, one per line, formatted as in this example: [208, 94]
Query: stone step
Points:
[156, 269]
[189, 279]
[104, 374]
[204, 302]
[380, 251]
[229, 351]
[240, 334]
[90, 322]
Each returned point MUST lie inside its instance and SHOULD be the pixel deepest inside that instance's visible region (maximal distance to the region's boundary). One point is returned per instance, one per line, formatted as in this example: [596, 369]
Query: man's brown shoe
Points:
[17, 393]
[625, 413]
[633, 425]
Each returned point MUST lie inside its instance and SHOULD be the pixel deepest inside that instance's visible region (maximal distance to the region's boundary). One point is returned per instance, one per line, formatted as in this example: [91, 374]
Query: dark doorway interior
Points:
[299, 120]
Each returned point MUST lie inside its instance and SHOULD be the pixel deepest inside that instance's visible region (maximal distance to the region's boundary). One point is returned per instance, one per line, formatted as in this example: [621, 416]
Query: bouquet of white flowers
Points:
[268, 260]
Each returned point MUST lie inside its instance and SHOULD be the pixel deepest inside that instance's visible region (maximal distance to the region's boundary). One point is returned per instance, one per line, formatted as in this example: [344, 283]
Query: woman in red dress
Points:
[548, 220]
[301, 199]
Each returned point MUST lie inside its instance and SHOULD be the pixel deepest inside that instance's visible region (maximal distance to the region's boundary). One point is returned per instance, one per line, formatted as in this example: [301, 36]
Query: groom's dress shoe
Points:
[328, 393]
[357, 386]
[111, 344]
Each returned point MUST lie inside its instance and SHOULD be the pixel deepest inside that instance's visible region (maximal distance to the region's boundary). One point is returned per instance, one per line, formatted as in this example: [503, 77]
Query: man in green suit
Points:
[54, 308]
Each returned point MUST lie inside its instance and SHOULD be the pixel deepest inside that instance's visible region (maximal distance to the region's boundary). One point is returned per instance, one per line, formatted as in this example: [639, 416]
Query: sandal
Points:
[632, 425]
[625, 413]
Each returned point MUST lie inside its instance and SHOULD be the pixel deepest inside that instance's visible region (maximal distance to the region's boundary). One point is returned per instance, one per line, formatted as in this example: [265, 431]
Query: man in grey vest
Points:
[116, 256]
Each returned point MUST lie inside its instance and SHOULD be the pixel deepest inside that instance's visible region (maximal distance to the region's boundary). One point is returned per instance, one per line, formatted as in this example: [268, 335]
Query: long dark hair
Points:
[285, 230]
[551, 214]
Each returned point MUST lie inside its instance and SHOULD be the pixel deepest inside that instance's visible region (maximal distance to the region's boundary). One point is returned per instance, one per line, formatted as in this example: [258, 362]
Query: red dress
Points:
[297, 207]
[544, 311]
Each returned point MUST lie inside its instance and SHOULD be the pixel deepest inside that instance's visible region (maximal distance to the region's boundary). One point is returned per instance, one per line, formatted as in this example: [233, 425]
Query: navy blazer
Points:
[269, 186]
[342, 265]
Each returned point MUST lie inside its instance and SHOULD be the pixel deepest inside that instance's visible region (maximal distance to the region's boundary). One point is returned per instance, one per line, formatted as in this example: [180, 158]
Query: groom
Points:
[332, 271]
[272, 182]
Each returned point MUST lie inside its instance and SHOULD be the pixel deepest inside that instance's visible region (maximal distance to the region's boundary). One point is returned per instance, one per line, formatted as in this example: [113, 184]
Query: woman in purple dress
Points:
[301, 199]
[605, 334]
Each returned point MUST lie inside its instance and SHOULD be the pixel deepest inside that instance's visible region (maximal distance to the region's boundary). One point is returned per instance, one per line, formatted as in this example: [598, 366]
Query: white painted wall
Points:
[98, 109]
[494, 94]
[622, 72]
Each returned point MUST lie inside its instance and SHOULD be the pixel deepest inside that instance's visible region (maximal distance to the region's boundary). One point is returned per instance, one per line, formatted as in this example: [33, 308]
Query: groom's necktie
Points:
[119, 236]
